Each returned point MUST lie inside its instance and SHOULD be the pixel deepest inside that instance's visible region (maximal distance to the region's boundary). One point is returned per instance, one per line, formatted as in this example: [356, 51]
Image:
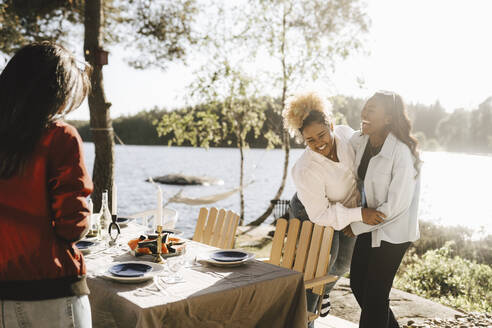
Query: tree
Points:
[425, 118]
[157, 31]
[350, 108]
[305, 38]
[231, 96]
[231, 119]
[454, 131]
[481, 127]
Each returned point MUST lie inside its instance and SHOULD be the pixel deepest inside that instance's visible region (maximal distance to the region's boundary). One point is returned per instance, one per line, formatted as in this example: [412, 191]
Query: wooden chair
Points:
[306, 251]
[216, 227]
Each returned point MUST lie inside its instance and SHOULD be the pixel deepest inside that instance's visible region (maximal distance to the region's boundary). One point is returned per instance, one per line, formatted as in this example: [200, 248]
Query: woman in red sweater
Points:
[43, 190]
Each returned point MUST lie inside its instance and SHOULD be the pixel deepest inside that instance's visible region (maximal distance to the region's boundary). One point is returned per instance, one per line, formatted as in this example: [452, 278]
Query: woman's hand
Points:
[372, 217]
[347, 231]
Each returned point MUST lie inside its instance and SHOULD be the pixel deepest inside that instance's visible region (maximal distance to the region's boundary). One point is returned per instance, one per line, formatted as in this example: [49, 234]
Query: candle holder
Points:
[158, 256]
[113, 225]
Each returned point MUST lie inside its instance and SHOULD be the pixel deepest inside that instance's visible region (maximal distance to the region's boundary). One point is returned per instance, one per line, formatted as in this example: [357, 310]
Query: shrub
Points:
[434, 236]
[451, 280]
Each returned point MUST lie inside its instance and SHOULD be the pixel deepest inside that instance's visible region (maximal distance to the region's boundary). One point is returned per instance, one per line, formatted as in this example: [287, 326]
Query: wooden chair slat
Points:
[319, 281]
[278, 241]
[303, 246]
[312, 316]
[324, 256]
[200, 224]
[227, 228]
[313, 254]
[232, 236]
[309, 250]
[209, 228]
[290, 245]
[218, 231]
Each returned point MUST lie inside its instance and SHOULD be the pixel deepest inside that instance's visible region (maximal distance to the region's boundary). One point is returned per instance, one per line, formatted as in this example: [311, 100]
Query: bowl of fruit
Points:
[147, 245]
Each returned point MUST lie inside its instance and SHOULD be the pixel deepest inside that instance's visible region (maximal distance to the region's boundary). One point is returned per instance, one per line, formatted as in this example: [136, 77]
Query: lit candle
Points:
[114, 200]
[159, 207]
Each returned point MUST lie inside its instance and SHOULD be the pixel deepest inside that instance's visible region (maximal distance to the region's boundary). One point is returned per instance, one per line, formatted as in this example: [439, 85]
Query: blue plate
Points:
[84, 244]
[130, 269]
[228, 256]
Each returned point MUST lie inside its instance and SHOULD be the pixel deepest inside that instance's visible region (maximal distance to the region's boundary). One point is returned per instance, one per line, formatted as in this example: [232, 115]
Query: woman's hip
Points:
[73, 311]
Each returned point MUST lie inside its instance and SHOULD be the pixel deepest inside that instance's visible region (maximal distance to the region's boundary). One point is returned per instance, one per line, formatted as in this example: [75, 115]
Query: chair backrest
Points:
[216, 227]
[305, 249]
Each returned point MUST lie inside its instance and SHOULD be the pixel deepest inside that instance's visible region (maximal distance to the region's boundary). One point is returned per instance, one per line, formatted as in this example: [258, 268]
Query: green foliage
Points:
[436, 236]
[448, 279]
[481, 127]
[426, 118]
[138, 128]
[348, 107]
[305, 38]
[199, 126]
[24, 21]
[160, 31]
[154, 32]
[455, 131]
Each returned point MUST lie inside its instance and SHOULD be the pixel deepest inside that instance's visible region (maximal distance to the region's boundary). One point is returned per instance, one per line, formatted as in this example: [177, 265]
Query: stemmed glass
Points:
[173, 267]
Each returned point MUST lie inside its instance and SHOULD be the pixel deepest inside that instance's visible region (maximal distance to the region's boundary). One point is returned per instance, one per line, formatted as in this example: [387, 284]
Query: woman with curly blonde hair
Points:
[325, 180]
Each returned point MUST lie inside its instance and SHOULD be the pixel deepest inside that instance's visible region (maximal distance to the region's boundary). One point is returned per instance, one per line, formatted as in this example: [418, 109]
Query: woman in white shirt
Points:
[388, 167]
[325, 180]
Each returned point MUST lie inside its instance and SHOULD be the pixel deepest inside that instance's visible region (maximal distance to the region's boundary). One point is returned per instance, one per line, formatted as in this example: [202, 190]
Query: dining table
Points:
[254, 294]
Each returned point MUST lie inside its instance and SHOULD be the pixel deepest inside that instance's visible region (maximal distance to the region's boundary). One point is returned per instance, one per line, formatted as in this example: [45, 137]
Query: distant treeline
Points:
[459, 131]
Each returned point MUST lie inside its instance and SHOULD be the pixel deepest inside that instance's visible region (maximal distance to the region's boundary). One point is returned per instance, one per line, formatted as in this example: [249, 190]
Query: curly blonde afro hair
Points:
[299, 107]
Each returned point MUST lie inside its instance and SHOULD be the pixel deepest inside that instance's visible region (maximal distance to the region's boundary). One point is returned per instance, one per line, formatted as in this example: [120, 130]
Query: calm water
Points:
[454, 186]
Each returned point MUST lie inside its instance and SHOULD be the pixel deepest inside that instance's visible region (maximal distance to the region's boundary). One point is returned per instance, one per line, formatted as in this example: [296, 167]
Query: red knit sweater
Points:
[42, 212]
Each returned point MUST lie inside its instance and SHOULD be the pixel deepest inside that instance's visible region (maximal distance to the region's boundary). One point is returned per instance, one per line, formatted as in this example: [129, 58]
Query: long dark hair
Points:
[400, 125]
[40, 84]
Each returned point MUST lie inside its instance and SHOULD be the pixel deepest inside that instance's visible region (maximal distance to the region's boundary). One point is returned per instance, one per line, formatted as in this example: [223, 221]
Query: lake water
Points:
[454, 186]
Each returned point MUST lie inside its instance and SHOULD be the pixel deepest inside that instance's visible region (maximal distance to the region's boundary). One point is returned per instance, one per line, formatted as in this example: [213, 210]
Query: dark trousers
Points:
[371, 276]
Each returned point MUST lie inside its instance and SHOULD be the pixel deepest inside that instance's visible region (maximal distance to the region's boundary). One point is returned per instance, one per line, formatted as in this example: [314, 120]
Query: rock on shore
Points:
[406, 307]
[185, 180]
[465, 320]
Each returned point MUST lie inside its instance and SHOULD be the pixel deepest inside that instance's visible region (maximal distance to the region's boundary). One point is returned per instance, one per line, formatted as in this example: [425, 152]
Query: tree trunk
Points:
[285, 134]
[100, 121]
[241, 179]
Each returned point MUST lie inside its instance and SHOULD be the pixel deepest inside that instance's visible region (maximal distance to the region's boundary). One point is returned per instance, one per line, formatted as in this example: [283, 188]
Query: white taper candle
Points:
[159, 206]
[114, 200]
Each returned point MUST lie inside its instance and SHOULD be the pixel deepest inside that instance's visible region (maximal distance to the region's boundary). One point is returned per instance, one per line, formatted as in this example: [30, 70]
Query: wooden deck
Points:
[333, 322]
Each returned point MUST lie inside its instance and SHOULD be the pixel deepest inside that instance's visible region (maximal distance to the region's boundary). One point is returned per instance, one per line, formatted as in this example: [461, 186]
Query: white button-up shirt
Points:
[391, 187]
[328, 189]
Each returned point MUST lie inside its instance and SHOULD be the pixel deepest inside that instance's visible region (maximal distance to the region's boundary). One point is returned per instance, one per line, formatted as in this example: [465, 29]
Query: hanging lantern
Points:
[101, 57]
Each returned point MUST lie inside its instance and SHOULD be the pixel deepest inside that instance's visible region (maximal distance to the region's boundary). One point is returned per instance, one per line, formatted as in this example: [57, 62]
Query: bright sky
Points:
[426, 50]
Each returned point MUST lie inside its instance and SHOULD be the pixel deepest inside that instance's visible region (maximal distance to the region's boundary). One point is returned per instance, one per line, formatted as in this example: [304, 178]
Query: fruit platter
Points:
[147, 245]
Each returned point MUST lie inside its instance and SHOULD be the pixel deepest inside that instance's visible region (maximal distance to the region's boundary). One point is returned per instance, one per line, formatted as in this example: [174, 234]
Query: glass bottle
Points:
[105, 218]
[94, 228]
